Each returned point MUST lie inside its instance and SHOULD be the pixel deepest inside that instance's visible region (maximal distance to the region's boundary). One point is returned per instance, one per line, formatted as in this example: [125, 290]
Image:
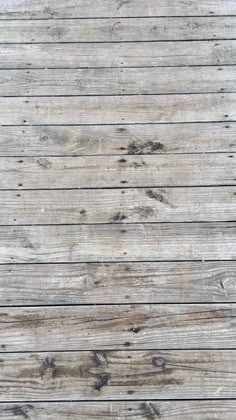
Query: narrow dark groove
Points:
[117, 188]
[123, 261]
[187, 262]
[162, 154]
[95, 401]
[118, 17]
[192, 222]
[79, 305]
[123, 304]
[126, 350]
[216, 92]
[119, 42]
[121, 124]
[118, 67]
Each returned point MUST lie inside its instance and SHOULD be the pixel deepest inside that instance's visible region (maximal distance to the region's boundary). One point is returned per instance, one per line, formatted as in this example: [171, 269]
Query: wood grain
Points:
[121, 139]
[118, 375]
[118, 109]
[117, 81]
[109, 8]
[118, 206]
[132, 410]
[127, 54]
[118, 327]
[116, 242]
[50, 284]
[110, 30]
[117, 171]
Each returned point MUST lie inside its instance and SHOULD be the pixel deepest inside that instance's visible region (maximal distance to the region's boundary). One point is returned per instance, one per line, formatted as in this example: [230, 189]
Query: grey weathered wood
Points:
[127, 54]
[118, 205]
[102, 8]
[121, 139]
[117, 171]
[145, 410]
[108, 30]
[118, 327]
[117, 81]
[118, 109]
[118, 375]
[116, 242]
[50, 284]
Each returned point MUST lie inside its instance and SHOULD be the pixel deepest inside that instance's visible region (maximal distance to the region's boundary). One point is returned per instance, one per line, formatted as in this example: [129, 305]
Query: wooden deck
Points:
[117, 210]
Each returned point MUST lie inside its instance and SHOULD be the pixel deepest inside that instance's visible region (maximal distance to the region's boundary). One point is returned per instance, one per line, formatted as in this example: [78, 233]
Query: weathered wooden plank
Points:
[116, 242]
[108, 8]
[118, 205]
[108, 30]
[120, 375]
[132, 410]
[121, 139]
[127, 54]
[118, 327]
[117, 171]
[50, 284]
[117, 81]
[118, 109]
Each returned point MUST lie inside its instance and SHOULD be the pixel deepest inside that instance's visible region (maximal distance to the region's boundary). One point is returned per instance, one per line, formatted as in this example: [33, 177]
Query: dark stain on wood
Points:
[144, 211]
[145, 148]
[102, 381]
[122, 3]
[22, 411]
[158, 362]
[135, 330]
[159, 197]
[44, 163]
[118, 217]
[48, 368]
[100, 358]
[137, 164]
[150, 411]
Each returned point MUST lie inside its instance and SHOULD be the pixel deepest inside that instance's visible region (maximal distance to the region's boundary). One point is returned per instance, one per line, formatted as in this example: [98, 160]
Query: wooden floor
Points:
[118, 210]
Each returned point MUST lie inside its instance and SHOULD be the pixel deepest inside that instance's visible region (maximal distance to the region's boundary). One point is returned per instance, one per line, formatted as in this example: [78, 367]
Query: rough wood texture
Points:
[117, 171]
[118, 327]
[118, 109]
[116, 242]
[131, 375]
[117, 208]
[118, 205]
[117, 81]
[110, 30]
[127, 54]
[140, 410]
[50, 284]
[93, 8]
[121, 139]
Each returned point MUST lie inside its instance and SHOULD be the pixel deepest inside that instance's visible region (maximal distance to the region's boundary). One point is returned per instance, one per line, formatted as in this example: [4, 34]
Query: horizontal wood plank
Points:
[127, 54]
[109, 30]
[118, 327]
[183, 282]
[118, 375]
[117, 171]
[109, 8]
[118, 109]
[118, 206]
[145, 410]
[116, 242]
[121, 139]
[117, 81]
